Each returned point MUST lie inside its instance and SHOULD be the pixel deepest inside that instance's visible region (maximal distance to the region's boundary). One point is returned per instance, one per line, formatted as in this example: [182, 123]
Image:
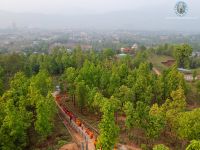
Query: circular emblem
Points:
[181, 8]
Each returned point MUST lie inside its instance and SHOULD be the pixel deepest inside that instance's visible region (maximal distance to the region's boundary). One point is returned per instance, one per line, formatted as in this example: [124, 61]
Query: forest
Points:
[131, 102]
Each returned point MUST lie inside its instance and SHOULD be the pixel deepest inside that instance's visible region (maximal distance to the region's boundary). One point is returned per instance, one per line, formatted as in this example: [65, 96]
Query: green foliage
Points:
[172, 107]
[68, 80]
[1, 80]
[130, 115]
[114, 83]
[142, 88]
[160, 147]
[198, 86]
[41, 98]
[141, 57]
[41, 83]
[82, 94]
[172, 80]
[188, 125]
[108, 129]
[124, 94]
[108, 53]
[182, 54]
[45, 109]
[194, 145]
[194, 75]
[142, 117]
[15, 119]
[144, 147]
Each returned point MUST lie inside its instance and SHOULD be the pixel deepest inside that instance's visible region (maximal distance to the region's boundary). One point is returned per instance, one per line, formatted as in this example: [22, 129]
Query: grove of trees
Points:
[104, 85]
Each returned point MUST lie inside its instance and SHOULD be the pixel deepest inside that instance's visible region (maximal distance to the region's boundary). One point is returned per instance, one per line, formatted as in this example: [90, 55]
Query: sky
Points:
[82, 6]
[135, 14]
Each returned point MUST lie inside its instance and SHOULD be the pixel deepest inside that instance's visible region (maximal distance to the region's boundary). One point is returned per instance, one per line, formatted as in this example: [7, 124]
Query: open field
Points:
[156, 61]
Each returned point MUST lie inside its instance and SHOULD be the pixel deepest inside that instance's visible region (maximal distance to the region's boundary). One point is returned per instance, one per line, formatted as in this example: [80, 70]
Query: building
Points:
[135, 46]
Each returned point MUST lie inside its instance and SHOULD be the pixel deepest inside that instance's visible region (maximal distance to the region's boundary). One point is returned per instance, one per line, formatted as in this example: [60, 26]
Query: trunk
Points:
[74, 100]
[116, 116]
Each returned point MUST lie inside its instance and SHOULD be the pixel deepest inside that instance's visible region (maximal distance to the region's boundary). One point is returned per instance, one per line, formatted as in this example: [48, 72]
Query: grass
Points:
[157, 59]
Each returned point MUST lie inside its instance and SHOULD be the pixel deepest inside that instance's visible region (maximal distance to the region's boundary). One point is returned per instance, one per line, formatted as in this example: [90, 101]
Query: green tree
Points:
[114, 83]
[172, 80]
[108, 129]
[108, 53]
[42, 83]
[130, 115]
[1, 80]
[194, 75]
[172, 107]
[188, 125]
[15, 118]
[43, 103]
[45, 110]
[13, 131]
[68, 80]
[182, 54]
[142, 88]
[82, 94]
[124, 94]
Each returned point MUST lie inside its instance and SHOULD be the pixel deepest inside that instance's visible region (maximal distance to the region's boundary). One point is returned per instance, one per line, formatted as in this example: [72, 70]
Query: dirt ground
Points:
[71, 146]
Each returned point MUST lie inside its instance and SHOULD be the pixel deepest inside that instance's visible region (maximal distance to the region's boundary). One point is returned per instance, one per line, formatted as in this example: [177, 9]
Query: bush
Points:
[160, 147]
[194, 145]
[143, 147]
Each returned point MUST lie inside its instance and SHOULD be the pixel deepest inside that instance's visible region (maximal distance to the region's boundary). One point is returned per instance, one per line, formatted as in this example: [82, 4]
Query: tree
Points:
[114, 83]
[156, 124]
[198, 86]
[78, 57]
[130, 115]
[42, 102]
[1, 80]
[81, 92]
[188, 125]
[41, 82]
[142, 88]
[45, 110]
[160, 147]
[194, 75]
[15, 124]
[108, 53]
[172, 107]
[182, 54]
[124, 94]
[68, 79]
[143, 117]
[194, 145]
[108, 129]
[15, 118]
[172, 80]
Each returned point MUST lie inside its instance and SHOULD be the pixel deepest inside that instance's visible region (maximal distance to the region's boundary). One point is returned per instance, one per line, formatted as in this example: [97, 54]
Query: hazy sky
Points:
[134, 14]
[84, 6]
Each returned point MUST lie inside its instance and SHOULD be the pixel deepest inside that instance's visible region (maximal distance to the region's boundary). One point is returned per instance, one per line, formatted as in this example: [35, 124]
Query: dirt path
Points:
[78, 138]
[71, 146]
[156, 71]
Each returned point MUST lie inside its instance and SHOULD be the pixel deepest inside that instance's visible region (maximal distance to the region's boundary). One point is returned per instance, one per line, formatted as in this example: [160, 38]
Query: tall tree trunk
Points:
[74, 100]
